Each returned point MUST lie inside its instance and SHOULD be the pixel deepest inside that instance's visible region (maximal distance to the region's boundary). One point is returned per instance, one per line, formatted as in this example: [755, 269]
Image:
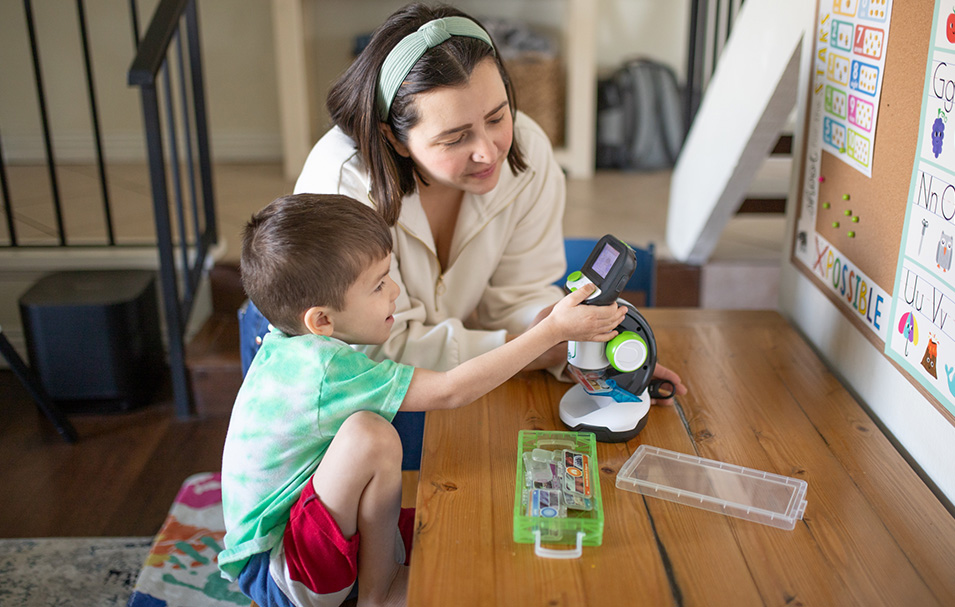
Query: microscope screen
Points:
[605, 260]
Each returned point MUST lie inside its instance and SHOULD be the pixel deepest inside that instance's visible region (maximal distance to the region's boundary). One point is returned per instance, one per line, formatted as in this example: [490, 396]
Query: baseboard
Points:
[740, 285]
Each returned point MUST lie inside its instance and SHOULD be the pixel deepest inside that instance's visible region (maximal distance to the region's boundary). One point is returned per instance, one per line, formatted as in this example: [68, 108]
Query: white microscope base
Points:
[602, 414]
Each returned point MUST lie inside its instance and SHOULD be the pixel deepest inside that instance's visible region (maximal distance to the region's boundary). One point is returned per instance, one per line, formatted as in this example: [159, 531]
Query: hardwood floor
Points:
[118, 479]
[121, 476]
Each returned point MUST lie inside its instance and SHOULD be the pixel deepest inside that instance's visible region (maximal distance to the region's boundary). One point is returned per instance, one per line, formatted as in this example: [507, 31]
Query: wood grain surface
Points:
[872, 534]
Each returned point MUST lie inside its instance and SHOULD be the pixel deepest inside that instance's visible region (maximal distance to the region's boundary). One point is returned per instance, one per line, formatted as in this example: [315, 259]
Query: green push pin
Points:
[835, 224]
[855, 219]
[847, 213]
[845, 197]
[852, 234]
[826, 205]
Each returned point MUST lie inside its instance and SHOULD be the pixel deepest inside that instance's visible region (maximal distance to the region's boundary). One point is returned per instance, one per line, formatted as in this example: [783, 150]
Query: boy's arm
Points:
[476, 377]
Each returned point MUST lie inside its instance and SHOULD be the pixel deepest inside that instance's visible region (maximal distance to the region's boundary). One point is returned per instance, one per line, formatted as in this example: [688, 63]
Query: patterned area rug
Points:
[181, 569]
[177, 568]
[70, 572]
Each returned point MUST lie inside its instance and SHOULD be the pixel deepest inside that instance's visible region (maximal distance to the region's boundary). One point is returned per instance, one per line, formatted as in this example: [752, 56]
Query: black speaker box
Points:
[93, 337]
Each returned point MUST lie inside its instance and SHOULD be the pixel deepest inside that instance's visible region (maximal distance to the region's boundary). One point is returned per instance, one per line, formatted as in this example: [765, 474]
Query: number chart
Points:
[852, 37]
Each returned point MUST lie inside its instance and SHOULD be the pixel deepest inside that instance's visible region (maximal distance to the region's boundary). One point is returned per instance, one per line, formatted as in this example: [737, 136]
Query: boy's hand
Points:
[574, 322]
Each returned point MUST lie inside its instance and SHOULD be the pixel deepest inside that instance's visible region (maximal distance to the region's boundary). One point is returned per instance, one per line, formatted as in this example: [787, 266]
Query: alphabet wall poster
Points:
[922, 334]
[849, 67]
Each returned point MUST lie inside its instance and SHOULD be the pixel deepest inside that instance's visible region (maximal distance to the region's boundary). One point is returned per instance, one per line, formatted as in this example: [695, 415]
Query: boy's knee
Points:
[371, 434]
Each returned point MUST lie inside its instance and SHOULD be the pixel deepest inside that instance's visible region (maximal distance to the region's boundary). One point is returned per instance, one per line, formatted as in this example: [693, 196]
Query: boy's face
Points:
[369, 305]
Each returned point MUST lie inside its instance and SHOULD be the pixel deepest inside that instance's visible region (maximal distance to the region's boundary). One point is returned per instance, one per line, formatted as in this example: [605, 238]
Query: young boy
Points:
[311, 461]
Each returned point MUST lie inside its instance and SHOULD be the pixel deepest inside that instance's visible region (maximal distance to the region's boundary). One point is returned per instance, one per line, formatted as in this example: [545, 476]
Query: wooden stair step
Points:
[227, 291]
[212, 356]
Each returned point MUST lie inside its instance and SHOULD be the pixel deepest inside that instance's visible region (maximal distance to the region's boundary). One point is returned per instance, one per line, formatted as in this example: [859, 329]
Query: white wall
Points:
[917, 427]
[643, 28]
[239, 65]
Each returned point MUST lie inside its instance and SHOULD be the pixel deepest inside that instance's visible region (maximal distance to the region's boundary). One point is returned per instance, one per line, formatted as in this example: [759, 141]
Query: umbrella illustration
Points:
[909, 330]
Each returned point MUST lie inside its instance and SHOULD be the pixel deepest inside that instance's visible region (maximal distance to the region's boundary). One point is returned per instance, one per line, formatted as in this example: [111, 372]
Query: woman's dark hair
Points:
[352, 99]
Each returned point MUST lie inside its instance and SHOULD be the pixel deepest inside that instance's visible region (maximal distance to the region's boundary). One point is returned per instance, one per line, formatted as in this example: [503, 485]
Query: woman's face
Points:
[464, 133]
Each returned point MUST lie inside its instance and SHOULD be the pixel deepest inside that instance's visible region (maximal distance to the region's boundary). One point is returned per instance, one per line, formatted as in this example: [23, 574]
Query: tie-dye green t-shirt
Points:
[295, 397]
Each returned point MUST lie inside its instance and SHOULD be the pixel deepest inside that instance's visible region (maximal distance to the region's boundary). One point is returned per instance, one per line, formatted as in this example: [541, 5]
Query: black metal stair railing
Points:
[59, 236]
[191, 226]
[168, 71]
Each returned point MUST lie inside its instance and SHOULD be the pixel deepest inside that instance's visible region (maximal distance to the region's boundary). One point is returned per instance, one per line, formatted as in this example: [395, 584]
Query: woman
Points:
[476, 210]
[427, 132]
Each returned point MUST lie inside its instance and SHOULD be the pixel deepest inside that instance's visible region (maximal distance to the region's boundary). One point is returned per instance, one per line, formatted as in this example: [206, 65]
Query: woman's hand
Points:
[548, 359]
[552, 357]
[661, 372]
[542, 315]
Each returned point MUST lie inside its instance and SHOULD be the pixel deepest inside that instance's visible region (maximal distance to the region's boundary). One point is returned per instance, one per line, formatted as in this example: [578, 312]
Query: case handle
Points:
[550, 553]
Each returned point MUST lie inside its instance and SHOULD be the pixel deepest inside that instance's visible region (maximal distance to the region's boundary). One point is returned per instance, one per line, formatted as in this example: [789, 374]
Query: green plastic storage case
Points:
[579, 527]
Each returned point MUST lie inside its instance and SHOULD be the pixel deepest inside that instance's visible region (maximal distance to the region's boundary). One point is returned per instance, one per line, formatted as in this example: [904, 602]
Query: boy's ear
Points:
[318, 322]
[399, 147]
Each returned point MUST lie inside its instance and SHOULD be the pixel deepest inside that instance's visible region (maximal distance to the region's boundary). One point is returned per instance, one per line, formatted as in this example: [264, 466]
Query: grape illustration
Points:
[938, 130]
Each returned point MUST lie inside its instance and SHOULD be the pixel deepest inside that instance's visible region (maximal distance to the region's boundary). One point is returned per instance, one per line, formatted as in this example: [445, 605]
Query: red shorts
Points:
[315, 565]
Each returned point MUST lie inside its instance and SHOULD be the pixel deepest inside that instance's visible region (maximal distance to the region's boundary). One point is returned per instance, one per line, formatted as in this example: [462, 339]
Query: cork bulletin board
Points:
[860, 180]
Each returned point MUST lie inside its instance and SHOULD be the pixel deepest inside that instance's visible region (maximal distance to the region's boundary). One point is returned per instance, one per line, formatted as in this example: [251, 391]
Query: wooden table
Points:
[872, 534]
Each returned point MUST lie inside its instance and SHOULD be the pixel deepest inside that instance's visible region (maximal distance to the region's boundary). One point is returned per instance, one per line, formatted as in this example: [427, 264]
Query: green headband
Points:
[407, 52]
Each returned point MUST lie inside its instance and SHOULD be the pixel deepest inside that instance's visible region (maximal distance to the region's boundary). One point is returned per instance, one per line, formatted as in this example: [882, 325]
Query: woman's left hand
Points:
[542, 315]
[550, 358]
[661, 372]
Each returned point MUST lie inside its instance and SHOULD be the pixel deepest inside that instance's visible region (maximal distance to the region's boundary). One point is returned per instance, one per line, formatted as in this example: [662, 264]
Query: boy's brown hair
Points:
[306, 250]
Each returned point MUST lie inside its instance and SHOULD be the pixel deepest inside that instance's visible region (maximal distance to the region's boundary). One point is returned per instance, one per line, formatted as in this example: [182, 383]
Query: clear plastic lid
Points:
[763, 497]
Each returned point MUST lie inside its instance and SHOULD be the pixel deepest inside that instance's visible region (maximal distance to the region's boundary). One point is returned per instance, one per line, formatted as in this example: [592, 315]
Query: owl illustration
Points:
[931, 356]
[943, 254]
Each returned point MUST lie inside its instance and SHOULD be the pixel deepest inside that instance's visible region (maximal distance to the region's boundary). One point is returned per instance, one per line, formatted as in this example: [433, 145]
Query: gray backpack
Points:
[639, 117]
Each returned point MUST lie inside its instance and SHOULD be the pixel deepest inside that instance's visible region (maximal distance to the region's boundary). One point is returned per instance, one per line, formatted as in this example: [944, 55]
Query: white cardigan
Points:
[508, 249]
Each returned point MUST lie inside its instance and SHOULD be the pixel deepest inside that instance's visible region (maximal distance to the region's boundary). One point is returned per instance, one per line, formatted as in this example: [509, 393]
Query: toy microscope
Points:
[615, 379]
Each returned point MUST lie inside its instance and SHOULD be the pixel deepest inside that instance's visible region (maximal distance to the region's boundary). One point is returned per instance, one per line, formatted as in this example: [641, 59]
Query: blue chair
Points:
[644, 279]
[410, 425]
[252, 328]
